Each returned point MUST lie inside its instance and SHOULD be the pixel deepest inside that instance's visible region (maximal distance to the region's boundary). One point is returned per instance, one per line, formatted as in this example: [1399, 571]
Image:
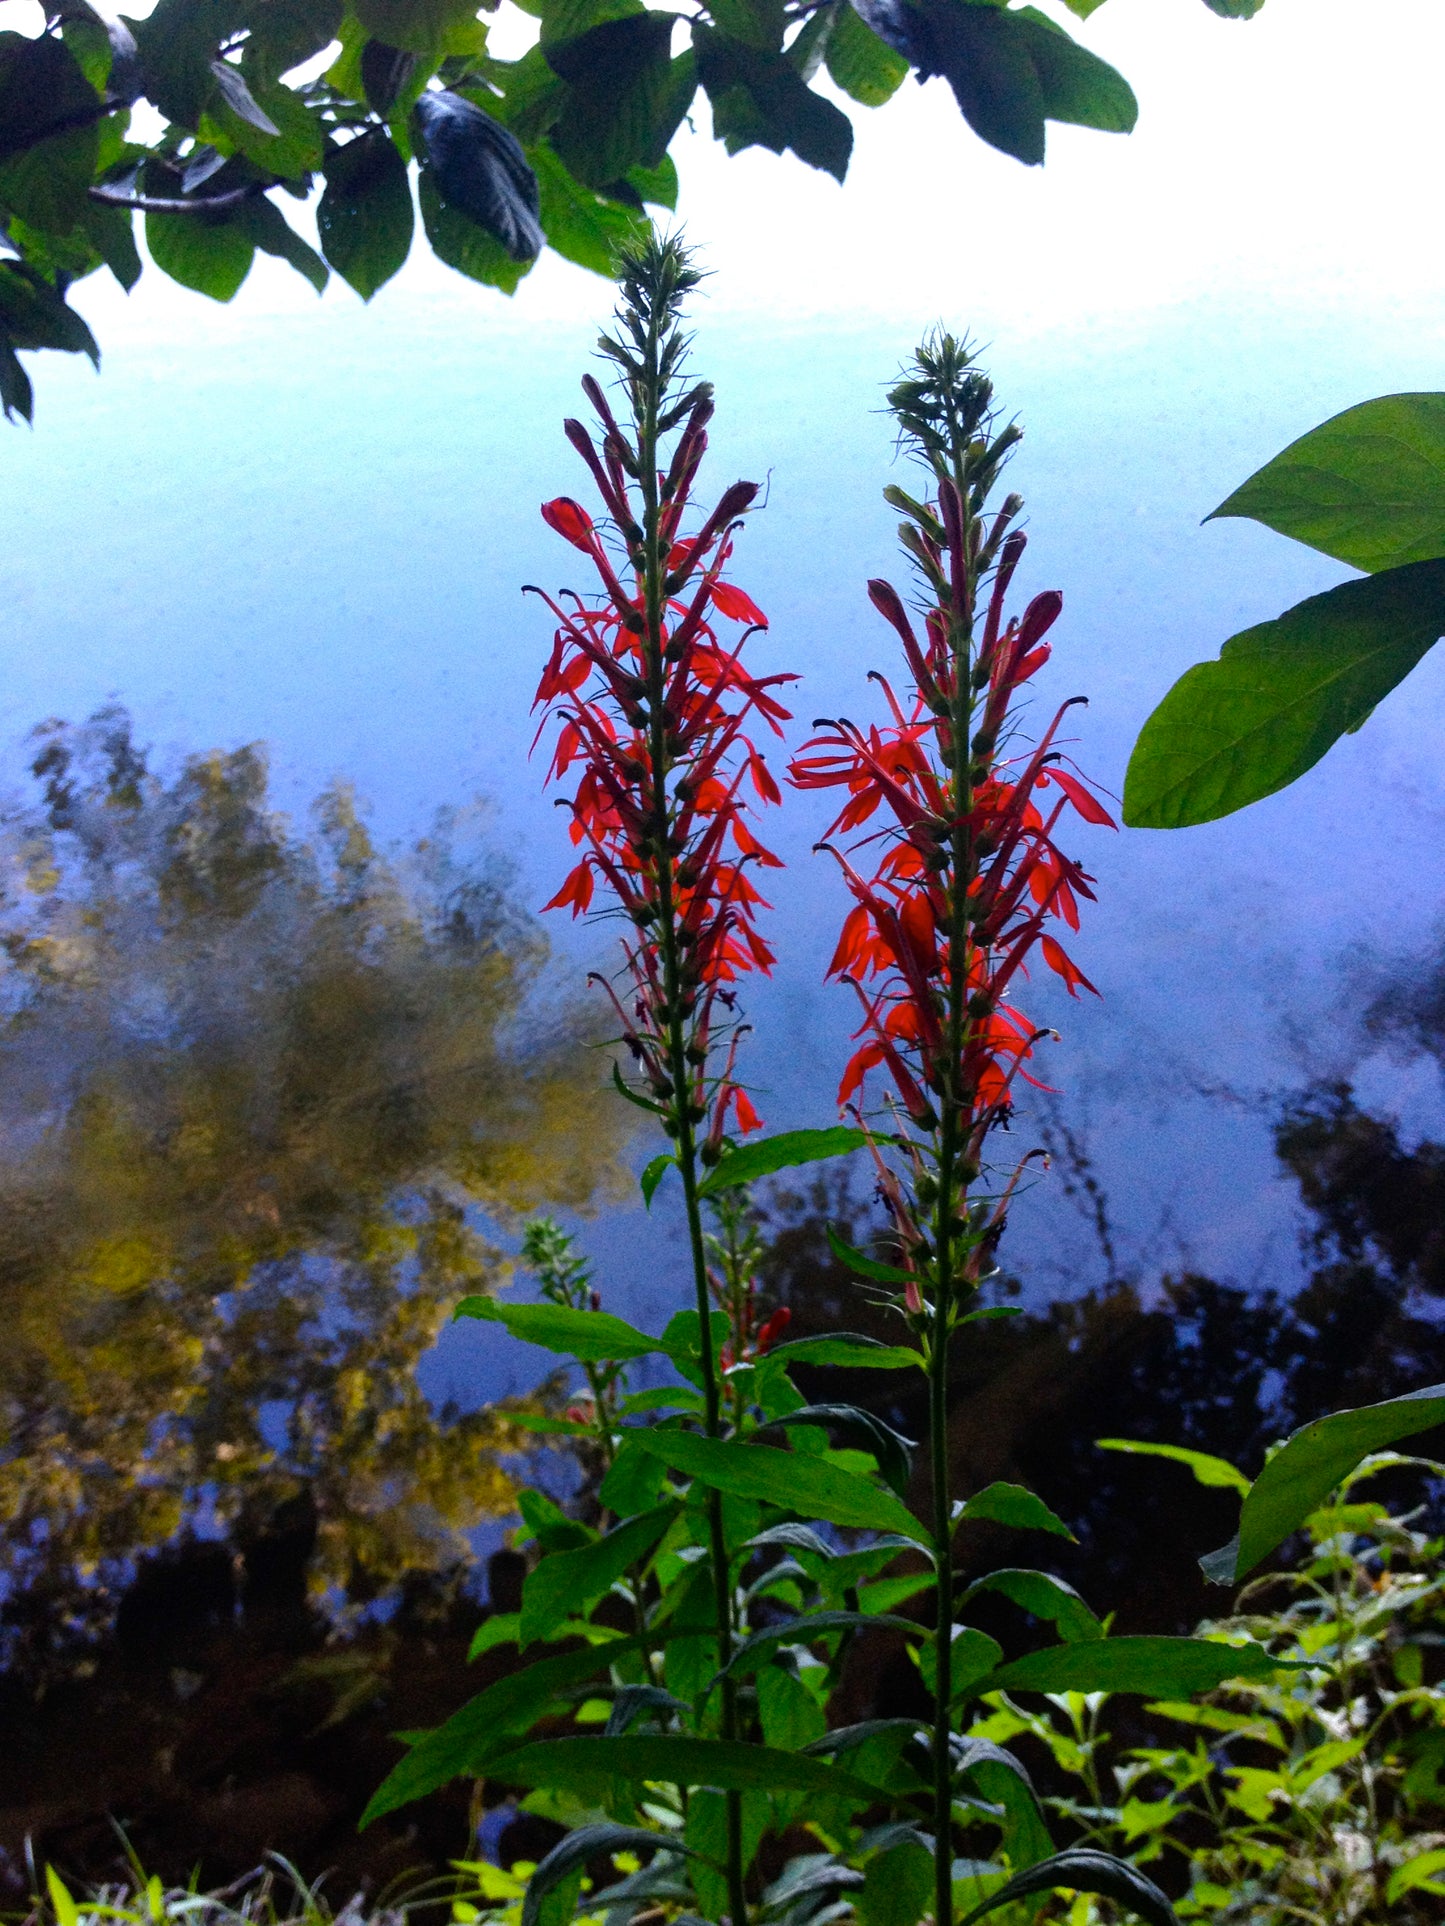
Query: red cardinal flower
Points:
[966, 875]
[657, 719]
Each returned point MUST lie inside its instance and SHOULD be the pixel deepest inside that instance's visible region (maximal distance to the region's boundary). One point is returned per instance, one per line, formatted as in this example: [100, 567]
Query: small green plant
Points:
[1309, 1796]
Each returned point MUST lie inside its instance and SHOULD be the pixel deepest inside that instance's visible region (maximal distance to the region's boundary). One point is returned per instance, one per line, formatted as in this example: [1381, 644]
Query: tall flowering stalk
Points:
[953, 891]
[653, 708]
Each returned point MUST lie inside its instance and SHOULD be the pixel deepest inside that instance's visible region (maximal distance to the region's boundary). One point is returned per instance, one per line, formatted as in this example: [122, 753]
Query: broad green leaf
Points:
[365, 217]
[567, 1582]
[865, 1432]
[1043, 1596]
[897, 1886]
[866, 68]
[550, 1525]
[807, 1486]
[212, 257]
[1083, 8]
[757, 23]
[592, 1337]
[44, 178]
[571, 1854]
[585, 1764]
[635, 1479]
[1367, 486]
[1232, 9]
[884, 1593]
[1157, 1667]
[1012, 69]
[655, 186]
[34, 315]
[759, 99]
[848, 1351]
[1015, 1506]
[471, 250]
[789, 1148]
[582, 226]
[625, 99]
[1000, 1777]
[1078, 88]
[1217, 1473]
[1083, 1870]
[1308, 1466]
[1232, 731]
[566, 19]
[273, 234]
[490, 1723]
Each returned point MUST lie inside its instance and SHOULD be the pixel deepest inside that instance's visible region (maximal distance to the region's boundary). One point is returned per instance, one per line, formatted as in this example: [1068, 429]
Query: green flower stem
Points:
[679, 1070]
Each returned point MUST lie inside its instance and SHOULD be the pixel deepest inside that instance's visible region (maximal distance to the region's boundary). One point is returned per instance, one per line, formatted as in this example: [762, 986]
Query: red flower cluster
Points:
[897, 947]
[655, 707]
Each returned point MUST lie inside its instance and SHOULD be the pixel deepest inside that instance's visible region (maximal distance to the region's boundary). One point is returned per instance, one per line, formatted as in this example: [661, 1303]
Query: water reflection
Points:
[257, 1087]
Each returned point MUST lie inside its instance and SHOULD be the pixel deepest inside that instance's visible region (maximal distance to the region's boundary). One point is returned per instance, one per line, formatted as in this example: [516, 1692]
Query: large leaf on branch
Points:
[582, 226]
[782, 1152]
[490, 1723]
[1367, 486]
[592, 1337]
[1015, 1506]
[1011, 69]
[808, 1486]
[49, 132]
[1232, 731]
[1083, 1870]
[585, 1765]
[1158, 1667]
[626, 96]
[1308, 1466]
[566, 1583]
[1042, 1596]
[480, 171]
[212, 256]
[866, 1432]
[33, 314]
[759, 99]
[848, 1351]
[365, 217]
[859, 61]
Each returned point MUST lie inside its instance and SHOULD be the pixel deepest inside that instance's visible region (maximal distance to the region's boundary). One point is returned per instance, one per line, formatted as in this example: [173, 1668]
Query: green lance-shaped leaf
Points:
[789, 1147]
[872, 1268]
[1218, 1473]
[1281, 694]
[848, 1351]
[807, 1486]
[365, 217]
[569, 1855]
[1083, 1870]
[1367, 486]
[1043, 1596]
[1157, 1667]
[592, 1337]
[1306, 1469]
[585, 1765]
[490, 1724]
[759, 1648]
[866, 1432]
[1015, 1506]
[567, 1582]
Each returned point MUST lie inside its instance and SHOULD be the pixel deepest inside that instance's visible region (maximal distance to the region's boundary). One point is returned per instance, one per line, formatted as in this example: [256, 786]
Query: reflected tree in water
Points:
[257, 1092]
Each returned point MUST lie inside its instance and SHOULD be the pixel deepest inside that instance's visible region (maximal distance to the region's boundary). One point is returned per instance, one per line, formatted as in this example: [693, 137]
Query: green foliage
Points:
[559, 147]
[277, 1078]
[1311, 1796]
[1368, 488]
[1281, 694]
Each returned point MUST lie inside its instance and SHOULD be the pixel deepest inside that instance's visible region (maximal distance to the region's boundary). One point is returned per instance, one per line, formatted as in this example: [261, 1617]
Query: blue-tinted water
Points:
[307, 523]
